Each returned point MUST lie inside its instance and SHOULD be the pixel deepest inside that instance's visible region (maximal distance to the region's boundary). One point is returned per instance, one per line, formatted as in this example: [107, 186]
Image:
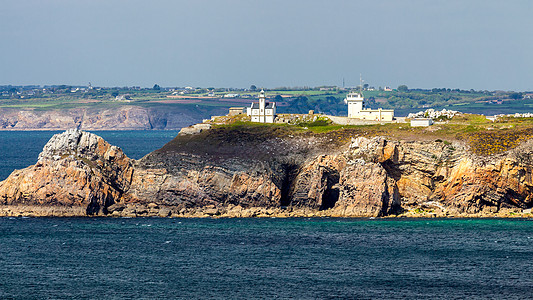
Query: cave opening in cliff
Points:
[329, 198]
[94, 207]
[291, 170]
[331, 193]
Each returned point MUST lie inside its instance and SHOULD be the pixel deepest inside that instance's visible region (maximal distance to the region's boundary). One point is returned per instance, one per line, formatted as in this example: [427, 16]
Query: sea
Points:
[255, 258]
[268, 258]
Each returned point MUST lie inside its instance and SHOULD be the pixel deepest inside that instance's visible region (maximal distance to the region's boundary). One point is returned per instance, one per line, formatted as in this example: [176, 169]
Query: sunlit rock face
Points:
[128, 117]
[75, 169]
[261, 171]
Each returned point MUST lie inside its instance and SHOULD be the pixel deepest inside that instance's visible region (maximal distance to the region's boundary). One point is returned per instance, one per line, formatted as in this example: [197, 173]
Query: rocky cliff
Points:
[244, 171]
[77, 172]
[115, 118]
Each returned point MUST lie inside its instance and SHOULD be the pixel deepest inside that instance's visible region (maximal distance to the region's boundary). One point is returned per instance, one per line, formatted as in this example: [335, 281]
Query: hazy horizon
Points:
[481, 45]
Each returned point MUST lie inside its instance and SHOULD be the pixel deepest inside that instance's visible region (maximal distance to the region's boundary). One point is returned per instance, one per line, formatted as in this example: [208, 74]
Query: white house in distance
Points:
[421, 122]
[262, 111]
[357, 110]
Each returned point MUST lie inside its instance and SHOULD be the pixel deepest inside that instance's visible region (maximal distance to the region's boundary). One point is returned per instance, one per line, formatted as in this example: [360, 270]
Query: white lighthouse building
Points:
[355, 103]
[357, 109]
[262, 111]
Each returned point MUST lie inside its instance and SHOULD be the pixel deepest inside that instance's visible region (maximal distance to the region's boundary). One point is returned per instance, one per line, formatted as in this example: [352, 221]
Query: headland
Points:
[466, 166]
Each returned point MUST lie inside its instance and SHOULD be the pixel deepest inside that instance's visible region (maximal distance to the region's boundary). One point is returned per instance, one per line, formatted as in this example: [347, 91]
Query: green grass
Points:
[326, 128]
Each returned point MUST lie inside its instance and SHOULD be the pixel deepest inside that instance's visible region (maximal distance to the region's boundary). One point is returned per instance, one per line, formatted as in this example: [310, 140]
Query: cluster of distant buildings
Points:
[265, 112]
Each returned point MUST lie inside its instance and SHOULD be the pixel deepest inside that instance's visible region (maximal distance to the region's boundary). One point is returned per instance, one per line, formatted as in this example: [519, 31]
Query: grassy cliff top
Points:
[235, 136]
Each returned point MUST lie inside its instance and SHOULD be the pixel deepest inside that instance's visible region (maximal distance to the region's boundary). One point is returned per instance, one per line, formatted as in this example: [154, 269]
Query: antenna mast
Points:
[360, 83]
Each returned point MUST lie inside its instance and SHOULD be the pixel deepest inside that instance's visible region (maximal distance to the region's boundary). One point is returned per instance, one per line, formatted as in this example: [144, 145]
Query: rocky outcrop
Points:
[261, 171]
[194, 129]
[75, 170]
[434, 114]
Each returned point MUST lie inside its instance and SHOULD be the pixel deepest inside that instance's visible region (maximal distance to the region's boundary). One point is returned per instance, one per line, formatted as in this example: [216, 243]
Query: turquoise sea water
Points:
[105, 258]
[19, 149]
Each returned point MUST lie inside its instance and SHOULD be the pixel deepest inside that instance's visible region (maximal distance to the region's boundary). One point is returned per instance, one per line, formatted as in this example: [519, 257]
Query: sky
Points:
[466, 44]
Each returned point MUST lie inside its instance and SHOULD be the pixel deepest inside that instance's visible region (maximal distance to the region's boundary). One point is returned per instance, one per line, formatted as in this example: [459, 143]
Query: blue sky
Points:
[479, 44]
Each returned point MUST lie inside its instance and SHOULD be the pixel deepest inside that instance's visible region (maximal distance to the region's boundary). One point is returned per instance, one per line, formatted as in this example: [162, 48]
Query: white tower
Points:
[262, 104]
[356, 103]
[262, 100]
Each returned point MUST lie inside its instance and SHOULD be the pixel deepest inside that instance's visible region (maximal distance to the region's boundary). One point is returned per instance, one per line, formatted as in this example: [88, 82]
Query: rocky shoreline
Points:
[156, 211]
[261, 171]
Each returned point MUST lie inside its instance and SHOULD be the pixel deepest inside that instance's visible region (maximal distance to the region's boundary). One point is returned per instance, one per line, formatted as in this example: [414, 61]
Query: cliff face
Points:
[116, 118]
[262, 171]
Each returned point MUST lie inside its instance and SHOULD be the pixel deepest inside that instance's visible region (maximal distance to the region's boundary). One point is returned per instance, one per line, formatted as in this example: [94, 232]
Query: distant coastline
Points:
[61, 107]
[118, 118]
